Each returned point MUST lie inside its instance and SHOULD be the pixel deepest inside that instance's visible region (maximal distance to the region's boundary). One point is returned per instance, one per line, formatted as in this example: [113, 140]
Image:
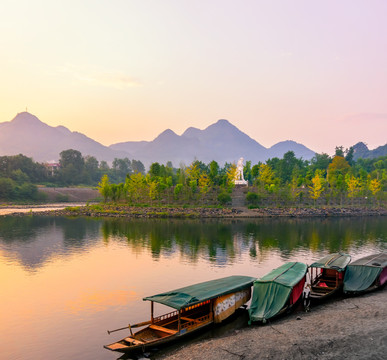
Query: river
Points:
[64, 281]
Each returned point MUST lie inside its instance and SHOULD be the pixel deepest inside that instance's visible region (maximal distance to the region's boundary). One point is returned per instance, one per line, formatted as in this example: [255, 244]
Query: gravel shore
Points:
[348, 328]
[126, 211]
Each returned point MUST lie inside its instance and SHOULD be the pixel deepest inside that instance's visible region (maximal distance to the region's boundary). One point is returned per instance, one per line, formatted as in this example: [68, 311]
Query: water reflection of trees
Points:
[229, 238]
[33, 239]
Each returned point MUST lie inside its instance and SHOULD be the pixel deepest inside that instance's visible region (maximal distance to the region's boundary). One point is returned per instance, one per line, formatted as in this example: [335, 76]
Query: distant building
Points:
[52, 167]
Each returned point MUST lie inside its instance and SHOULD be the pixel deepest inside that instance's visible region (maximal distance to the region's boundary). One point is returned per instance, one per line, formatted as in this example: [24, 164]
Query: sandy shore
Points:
[348, 328]
[22, 209]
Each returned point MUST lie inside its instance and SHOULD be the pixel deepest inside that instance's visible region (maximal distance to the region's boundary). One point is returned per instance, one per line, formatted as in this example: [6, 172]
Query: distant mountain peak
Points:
[192, 132]
[26, 134]
[223, 122]
[166, 134]
[360, 146]
[25, 117]
[63, 129]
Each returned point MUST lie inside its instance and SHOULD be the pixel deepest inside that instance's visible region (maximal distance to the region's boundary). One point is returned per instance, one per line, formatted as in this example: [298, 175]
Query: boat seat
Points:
[134, 341]
[163, 329]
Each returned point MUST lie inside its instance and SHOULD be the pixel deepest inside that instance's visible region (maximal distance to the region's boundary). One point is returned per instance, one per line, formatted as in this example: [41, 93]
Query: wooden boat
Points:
[277, 292]
[196, 307]
[327, 275]
[366, 274]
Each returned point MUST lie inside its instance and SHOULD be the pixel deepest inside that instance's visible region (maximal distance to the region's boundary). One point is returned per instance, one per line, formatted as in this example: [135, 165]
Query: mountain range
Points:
[221, 141]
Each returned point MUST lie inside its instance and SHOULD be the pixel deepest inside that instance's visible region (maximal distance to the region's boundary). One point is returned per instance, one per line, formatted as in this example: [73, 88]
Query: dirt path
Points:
[350, 328]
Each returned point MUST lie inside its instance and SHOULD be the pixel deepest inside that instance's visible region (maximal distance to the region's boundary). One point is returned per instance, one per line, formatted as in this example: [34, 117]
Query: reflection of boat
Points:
[196, 306]
[327, 275]
[366, 274]
[277, 291]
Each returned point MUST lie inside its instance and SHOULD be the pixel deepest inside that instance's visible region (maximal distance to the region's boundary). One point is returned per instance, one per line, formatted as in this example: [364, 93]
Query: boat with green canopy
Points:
[366, 274]
[196, 306]
[327, 274]
[277, 291]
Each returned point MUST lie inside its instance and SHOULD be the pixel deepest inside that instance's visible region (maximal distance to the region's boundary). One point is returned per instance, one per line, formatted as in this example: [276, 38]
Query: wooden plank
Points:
[134, 341]
[160, 328]
[190, 320]
[116, 346]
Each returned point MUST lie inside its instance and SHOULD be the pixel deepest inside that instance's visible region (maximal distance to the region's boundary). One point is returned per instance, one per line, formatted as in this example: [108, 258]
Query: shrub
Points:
[252, 198]
[224, 198]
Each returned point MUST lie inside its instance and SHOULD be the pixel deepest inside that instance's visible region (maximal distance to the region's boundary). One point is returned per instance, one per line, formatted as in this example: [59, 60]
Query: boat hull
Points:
[124, 346]
[171, 327]
[277, 292]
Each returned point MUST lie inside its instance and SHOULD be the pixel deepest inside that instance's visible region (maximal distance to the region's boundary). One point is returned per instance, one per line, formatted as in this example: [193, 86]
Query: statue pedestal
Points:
[241, 182]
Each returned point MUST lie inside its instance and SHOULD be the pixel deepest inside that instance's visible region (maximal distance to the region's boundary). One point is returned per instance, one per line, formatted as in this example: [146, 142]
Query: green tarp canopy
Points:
[194, 294]
[271, 292]
[362, 273]
[336, 262]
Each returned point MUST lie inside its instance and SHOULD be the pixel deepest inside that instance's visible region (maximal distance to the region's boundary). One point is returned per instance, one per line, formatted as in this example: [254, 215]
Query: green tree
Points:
[135, 185]
[7, 188]
[154, 170]
[320, 162]
[152, 188]
[265, 176]
[247, 172]
[121, 168]
[177, 190]
[116, 191]
[339, 151]
[104, 187]
[91, 168]
[349, 155]
[214, 172]
[71, 167]
[138, 167]
[104, 167]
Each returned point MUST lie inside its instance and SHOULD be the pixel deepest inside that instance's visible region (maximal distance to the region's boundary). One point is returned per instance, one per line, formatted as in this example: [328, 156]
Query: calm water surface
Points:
[64, 282]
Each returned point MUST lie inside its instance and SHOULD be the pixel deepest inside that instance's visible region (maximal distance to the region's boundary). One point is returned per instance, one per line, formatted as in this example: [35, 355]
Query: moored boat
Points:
[277, 291]
[196, 307]
[366, 274]
[327, 275]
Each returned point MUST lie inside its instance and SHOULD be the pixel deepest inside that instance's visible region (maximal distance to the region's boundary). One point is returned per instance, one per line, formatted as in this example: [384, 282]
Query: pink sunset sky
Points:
[310, 71]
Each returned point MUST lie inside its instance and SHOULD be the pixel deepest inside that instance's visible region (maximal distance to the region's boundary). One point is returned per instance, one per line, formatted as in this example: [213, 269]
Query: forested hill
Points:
[361, 151]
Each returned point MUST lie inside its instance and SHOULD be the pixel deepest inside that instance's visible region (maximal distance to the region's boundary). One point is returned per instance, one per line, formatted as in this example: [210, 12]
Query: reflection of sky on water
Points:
[34, 241]
[91, 275]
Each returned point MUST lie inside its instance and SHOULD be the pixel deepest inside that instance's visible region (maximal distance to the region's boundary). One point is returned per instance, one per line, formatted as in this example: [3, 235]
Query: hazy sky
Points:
[310, 71]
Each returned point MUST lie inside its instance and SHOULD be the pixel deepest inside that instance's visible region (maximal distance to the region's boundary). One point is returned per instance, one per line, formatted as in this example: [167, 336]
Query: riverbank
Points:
[124, 211]
[349, 328]
[13, 209]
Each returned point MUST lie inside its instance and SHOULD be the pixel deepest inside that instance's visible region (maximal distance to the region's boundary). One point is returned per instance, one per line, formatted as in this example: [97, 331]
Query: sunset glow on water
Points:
[66, 281]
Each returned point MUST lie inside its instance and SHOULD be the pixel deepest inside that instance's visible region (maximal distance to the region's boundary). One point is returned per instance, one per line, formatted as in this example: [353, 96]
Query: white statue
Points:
[239, 179]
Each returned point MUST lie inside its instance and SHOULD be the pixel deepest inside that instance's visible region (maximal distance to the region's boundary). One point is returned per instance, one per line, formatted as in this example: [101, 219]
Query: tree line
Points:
[325, 180]
[20, 175]
[337, 179]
